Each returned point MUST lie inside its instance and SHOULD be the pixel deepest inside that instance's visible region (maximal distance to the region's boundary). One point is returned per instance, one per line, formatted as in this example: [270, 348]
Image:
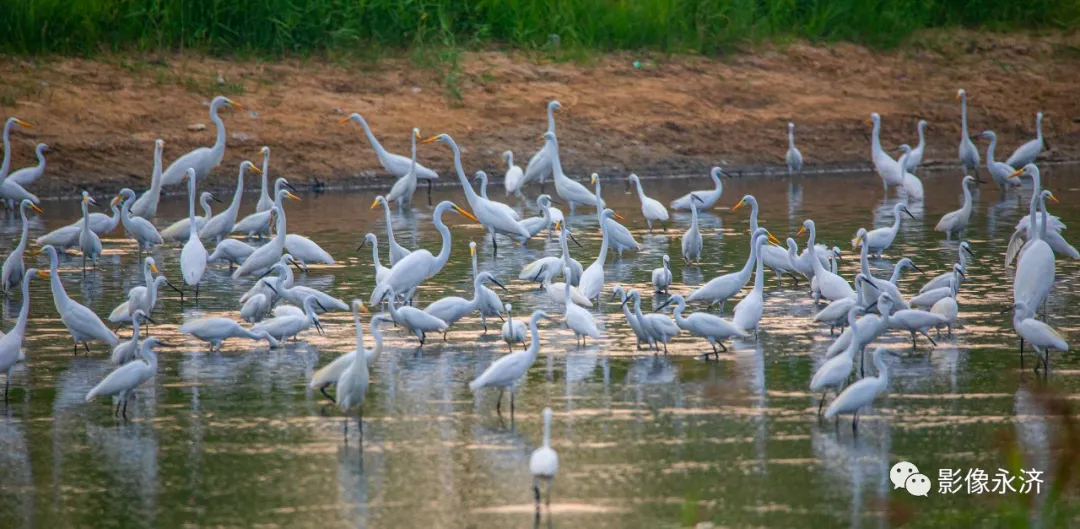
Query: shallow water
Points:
[237, 439]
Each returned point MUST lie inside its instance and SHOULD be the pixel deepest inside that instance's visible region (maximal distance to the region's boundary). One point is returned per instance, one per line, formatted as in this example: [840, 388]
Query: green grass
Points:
[283, 27]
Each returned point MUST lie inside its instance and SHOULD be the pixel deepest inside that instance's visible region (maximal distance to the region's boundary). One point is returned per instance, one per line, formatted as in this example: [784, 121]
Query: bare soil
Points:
[665, 115]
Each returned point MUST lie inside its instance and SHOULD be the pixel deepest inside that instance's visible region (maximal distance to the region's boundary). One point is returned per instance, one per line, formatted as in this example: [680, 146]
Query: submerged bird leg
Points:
[327, 395]
[124, 411]
[855, 423]
[794, 278]
[7, 384]
[430, 184]
[75, 349]
[87, 347]
[929, 338]
[822, 402]
[536, 492]
[498, 403]
[117, 412]
[511, 403]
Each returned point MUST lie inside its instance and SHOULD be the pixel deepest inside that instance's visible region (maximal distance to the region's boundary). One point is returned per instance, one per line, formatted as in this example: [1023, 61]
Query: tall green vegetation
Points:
[273, 27]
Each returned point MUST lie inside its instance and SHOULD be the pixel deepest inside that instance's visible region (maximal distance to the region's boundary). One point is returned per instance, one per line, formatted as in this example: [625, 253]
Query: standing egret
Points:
[691, 240]
[181, 229]
[969, 155]
[957, 221]
[193, 256]
[1027, 152]
[1001, 172]
[232, 251]
[397, 252]
[540, 165]
[655, 327]
[259, 223]
[452, 308]
[578, 319]
[1040, 335]
[707, 197]
[535, 225]
[332, 372]
[11, 343]
[879, 240]
[619, 237]
[506, 371]
[651, 208]
[592, 279]
[556, 292]
[283, 327]
[830, 285]
[143, 297]
[835, 313]
[380, 270]
[80, 321]
[89, 242]
[713, 328]
[963, 253]
[394, 164]
[127, 377]
[862, 392]
[547, 268]
[914, 159]
[413, 319]
[913, 187]
[353, 384]
[890, 287]
[1035, 268]
[494, 218]
[140, 229]
[948, 309]
[305, 251]
[513, 331]
[28, 175]
[544, 462]
[409, 272]
[631, 319]
[748, 310]
[298, 293]
[127, 351]
[1029, 224]
[888, 169]
[147, 203]
[266, 255]
[834, 373]
[775, 258]
[221, 225]
[916, 321]
[515, 177]
[794, 157]
[265, 199]
[930, 297]
[204, 159]
[719, 289]
[489, 303]
[9, 189]
[403, 189]
[661, 277]
[12, 273]
[482, 177]
[571, 191]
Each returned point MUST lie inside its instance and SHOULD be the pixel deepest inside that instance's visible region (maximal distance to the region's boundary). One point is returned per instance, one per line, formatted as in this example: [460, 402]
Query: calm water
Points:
[237, 439]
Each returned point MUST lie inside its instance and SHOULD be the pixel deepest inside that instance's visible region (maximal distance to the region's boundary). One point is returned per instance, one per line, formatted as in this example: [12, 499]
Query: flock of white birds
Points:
[277, 309]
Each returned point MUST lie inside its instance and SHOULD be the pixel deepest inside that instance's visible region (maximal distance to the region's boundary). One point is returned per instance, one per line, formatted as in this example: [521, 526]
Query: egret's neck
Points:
[379, 150]
[57, 286]
[534, 346]
[474, 267]
[86, 216]
[193, 229]
[483, 187]
[791, 138]
[748, 267]
[444, 252]
[155, 178]
[547, 430]
[679, 318]
[470, 194]
[218, 149]
[896, 273]
[125, 209]
[20, 326]
[389, 225]
[556, 164]
[238, 194]
[864, 254]
[812, 248]
[599, 209]
[6, 165]
[963, 118]
[716, 182]
[602, 258]
[990, 150]
[359, 334]
[1045, 218]
[640, 192]
[551, 119]
[875, 139]
[967, 201]
[693, 214]
[204, 202]
[41, 155]
[280, 228]
[377, 334]
[265, 176]
[1038, 129]
[922, 137]
[759, 284]
[753, 216]
[375, 255]
[25, 230]
[151, 358]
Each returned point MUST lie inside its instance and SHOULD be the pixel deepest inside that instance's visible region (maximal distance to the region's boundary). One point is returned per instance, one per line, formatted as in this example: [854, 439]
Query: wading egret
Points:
[830, 285]
[217, 330]
[11, 343]
[488, 302]
[331, 373]
[452, 308]
[204, 159]
[713, 328]
[89, 242]
[283, 327]
[394, 164]
[913, 187]
[834, 373]
[835, 313]
[917, 321]
[482, 177]
[862, 392]
[544, 462]
[747, 313]
[651, 208]
[1001, 172]
[692, 242]
[266, 255]
[81, 322]
[181, 229]
[957, 221]
[127, 351]
[232, 251]
[591, 283]
[556, 292]
[221, 225]
[879, 240]
[28, 175]
[775, 258]
[719, 289]
[930, 297]
[535, 225]
[963, 253]
[661, 277]
[887, 168]
[914, 159]
[948, 309]
[193, 256]
[147, 203]
[142, 297]
[305, 251]
[403, 189]
[515, 177]
[1035, 268]
[658, 328]
[513, 331]
[1027, 152]
[266, 200]
[353, 384]
[571, 191]
[968, 154]
[127, 377]
[141, 230]
[619, 238]
[413, 319]
[631, 318]
[1024, 227]
[708, 197]
[380, 270]
[9, 189]
[794, 157]
[259, 223]
[13, 269]
[578, 319]
[397, 252]
[540, 165]
[508, 370]
[1040, 335]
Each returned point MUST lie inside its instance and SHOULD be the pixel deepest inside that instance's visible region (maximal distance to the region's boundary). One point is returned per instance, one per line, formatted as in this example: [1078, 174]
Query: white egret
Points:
[508, 370]
[631, 318]
[353, 384]
[916, 321]
[719, 289]
[692, 242]
[1035, 268]
[489, 303]
[9, 189]
[890, 287]
[1001, 172]
[305, 251]
[957, 221]
[283, 327]
[147, 203]
[1040, 335]
[403, 189]
[256, 307]
[748, 310]
[452, 308]
[546, 268]
[221, 225]
[713, 328]
[888, 169]
[482, 177]
[914, 159]
[571, 191]
[232, 251]
[515, 177]
[879, 240]
[578, 319]
[948, 309]
[80, 321]
[181, 229]
[418, 266]
[651, 208]
[862, 392]
[394, 164]
[544, 462]
[380, 271]
[332, 372]
[494, 218]
[217, 330]
[774, 257]
[263, 284]
[969, 155]
[830, 286]
[540, 165]
[794, 157]
[127, 351]
[964, 251]
[28, 175]
[266, 200]
[12, 272]
[204, 159]
[556, 292]
[801, 262]
[592, 279]
[89, 242]
[619, 237]
[259, 223]
[1027, 152]
[298, 293]
[143, 297]
[535, 225]
[661, 277]
[11, 343]
[513, 331]
[913, 187]
[414, 320]
[708, 197]
[266, 255]
[397, 252]
[836, 313]
[834, 373]
[140, 229]
[930, 297]
[127, 377]
[193, 256]
[658, 328]
[1024, 229]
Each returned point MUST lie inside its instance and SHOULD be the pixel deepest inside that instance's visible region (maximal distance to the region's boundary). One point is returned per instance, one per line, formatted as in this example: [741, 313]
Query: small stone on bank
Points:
[195, 127]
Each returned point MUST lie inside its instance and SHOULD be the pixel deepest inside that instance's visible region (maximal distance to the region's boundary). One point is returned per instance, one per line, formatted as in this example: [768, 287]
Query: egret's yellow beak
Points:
[292, 196]
[869, 121]
[472, 251]
[466, 214]
[773, 239]
[429, 140]
[116, 200]
[44, 274]
[364, 309]
[234, 103]
[617, 216]
[1017, 173]
[417, 133]
[344, 121]
[256, 169]
[374, 204]
[540, 138]
[558, 224]
[801, 231]
[23, 123]
[858, 241]
[1052, 198]
[739, 205]
[958, 96]
[153, 268]
[264, 150]
[592, 181]
[35, 208]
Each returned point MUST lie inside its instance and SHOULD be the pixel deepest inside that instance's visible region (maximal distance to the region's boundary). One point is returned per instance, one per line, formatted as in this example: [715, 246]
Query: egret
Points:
[140, 229]
[964, 251]
[488, 302]
[957, 221]
[193, 256]
[547, 268]
[592, 279]
[691, 240]
[181, 229]
[836, 313]
[265, 199]
[1027, 152]
[658, 328]
[380, 271]
[414, 320]
[29, 175]
[719, 289]
[969, 155]
[494, 218]
[403, 189]
[748, 310]
[127, 377]
[1035, 268]
[1040, 335]
[916, 321]
[283, 327]
[862, 392]
[930, 297]
[506, 371]
[11, 343]
[835, 371]
[232, 251]
[1001, 172]
[830, 285]
[578, 319]
[631, 318]
[661, 277]
[147, 203]
[204, 159]
[259, 223]
[256, 307]
[890, 287]
[879, 240]
[1024, 228]
[513, 331]
[515, 177]
[544, 462]
[913, 187]
[651, 208]
[331, 373]
[947, 308]
[452, 308]
[127, 351]
[353, 384]
[298, 293]
[713, 328]
[9, 189]
[556, 292]
[266, 255]
[89, 242]
[801, 262]
[221, 225]
[394, 164]
[794, 157]
[535, 225]
[914, 159]
[540, 165]
[12, 272]
[619, 237]
[482, 177]
[397, 252]
[708, 197]
[773, 257]
[571, 191]
[143, 297]
[306, 251]
[409, 272]
[888, 169]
